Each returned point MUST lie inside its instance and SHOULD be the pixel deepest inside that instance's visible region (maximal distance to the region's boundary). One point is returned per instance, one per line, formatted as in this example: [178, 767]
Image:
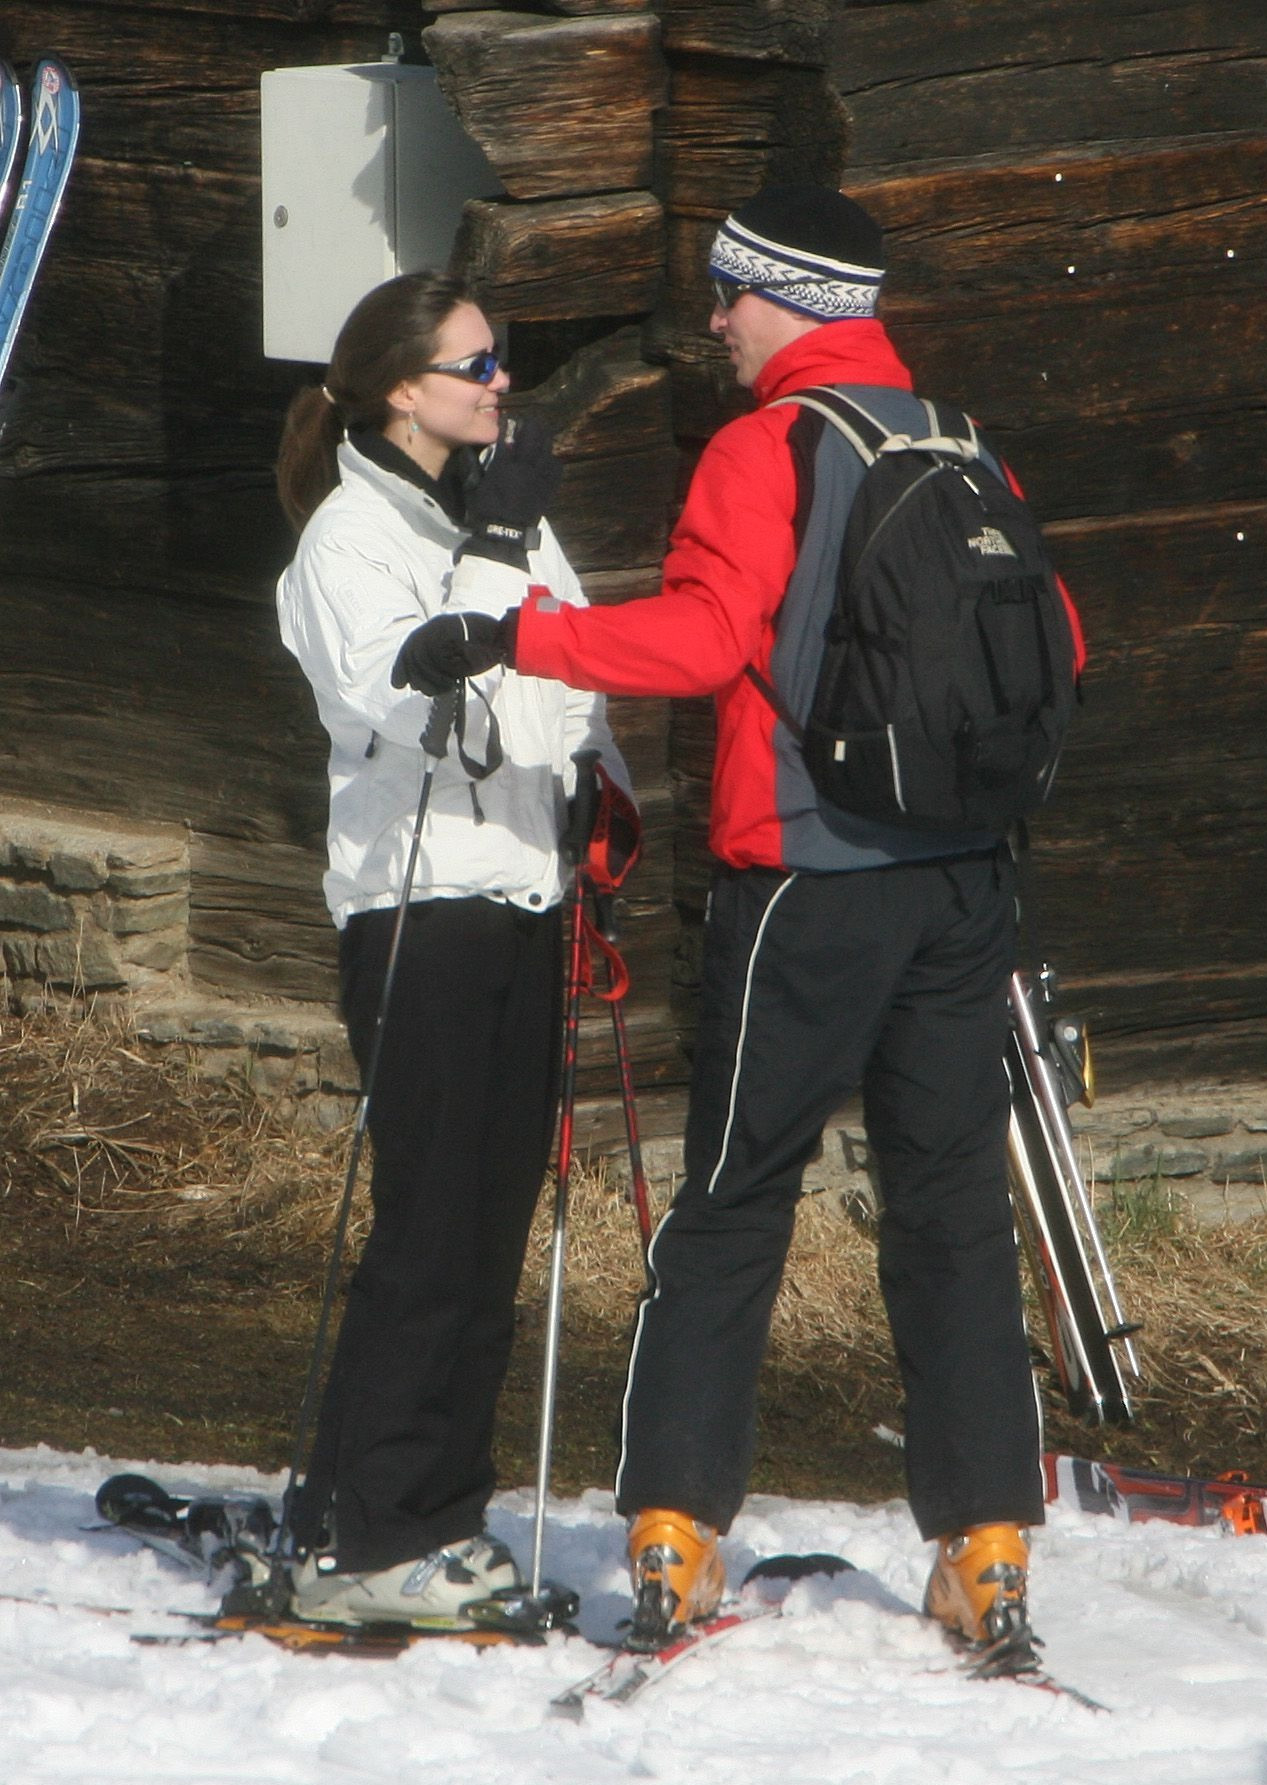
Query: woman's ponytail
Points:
[389, 336]
[307, 469]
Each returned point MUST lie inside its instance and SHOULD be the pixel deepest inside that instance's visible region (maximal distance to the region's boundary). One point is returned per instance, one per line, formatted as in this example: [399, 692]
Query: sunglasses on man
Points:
[478, 368]
[726, 293]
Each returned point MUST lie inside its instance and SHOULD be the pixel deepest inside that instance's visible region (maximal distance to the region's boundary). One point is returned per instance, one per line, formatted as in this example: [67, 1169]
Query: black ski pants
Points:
[461, 1117]
[894, 979]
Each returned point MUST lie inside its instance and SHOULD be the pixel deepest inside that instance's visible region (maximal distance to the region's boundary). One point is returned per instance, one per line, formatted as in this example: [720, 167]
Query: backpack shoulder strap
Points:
[775, 700]
[861, 429]
[949, 432]
[867, 437]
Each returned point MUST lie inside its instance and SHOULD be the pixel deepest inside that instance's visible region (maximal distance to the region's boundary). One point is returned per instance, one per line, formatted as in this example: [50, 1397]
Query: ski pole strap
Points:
[617, 973]
[448, 714]
[604, 832]
[493, 754]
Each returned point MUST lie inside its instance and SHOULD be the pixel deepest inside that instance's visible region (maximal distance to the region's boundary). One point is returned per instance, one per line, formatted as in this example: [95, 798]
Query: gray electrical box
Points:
[365, 169]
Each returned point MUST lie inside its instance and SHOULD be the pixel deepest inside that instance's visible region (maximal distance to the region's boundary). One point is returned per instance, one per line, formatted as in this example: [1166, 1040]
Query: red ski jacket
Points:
[730, 558]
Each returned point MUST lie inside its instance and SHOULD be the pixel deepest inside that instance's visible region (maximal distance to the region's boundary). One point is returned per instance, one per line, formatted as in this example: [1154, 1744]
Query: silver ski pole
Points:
[1058, 1123]
[543, 1605]
[554, 1303]
[1057, 1227]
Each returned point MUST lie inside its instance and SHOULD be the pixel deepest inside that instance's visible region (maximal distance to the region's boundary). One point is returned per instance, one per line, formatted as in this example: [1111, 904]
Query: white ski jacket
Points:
[373, 562]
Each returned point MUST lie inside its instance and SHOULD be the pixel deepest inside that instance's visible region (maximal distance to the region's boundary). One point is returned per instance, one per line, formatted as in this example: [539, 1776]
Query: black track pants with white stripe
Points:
[895, 980]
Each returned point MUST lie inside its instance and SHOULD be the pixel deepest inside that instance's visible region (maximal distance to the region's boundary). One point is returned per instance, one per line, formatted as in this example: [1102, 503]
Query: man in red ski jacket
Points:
[839, 952]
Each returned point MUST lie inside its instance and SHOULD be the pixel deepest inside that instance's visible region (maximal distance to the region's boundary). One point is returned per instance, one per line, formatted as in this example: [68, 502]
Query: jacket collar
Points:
[416, 499]
[449, 489]
[857, 352]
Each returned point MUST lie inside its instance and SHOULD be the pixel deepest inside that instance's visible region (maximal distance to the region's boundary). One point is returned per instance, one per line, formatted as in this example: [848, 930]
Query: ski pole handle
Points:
[584, 806]
[435, 733]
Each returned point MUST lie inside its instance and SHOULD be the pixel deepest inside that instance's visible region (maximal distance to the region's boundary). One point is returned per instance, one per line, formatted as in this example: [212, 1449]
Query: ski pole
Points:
[580, 832]
[545, 1605]
[434, 741]
[1058, 1124]
[604, 909]
[554, 1303]
[1055, 1223]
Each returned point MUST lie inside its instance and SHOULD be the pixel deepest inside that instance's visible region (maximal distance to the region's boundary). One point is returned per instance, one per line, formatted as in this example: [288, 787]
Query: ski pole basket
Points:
[1048, 1067]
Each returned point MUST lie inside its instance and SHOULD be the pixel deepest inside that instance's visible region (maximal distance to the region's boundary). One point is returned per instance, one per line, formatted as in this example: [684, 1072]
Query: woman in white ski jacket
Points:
[415, 502]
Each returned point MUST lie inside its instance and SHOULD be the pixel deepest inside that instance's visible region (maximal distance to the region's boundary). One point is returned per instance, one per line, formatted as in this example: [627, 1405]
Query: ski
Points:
[1015, 1659]
[11, 118]
[304, 1636]
[1133, 1495]
[627, 1673]
[298, 1635]
[51, 142]
[86, 1606]
[1041, 1681]
[208, 1532]
[212, 1533]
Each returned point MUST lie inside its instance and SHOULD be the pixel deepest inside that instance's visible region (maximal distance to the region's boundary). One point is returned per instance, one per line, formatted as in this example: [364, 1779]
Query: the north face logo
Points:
[990, 543]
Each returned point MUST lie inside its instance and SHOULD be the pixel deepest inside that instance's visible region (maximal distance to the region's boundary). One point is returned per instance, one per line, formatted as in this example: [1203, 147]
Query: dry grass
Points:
[167, 1236]
[1200, 1293]
[112, 1131]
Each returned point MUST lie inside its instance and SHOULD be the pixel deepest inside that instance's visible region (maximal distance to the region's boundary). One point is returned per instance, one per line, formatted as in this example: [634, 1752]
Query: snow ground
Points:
[1166, 1625]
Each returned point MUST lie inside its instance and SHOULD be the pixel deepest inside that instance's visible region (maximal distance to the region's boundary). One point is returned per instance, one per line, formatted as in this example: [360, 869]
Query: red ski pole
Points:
[605, 915]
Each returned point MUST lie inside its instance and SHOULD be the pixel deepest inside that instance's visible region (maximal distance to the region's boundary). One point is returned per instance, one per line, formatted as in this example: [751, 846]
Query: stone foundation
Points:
[295, 1056]
[94, 914]
[90, 908]
[95, 911]
[1203, 1149]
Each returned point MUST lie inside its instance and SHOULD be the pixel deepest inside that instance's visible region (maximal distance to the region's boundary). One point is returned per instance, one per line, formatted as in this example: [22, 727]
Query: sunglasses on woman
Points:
[479, 368]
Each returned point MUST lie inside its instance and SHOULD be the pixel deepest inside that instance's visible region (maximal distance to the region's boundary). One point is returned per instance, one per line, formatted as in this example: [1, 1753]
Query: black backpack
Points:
[947, 677]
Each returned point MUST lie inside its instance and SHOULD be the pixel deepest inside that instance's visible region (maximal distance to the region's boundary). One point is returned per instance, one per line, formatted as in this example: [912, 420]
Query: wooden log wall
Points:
[139, 534]
[1073, 194]
[1079, 251]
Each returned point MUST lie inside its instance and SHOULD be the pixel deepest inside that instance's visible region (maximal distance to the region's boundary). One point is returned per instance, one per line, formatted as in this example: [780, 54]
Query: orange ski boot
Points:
[977, 1593]
[678, 1575]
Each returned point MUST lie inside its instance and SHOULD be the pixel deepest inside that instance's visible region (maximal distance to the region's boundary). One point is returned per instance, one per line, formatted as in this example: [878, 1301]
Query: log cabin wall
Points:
[1073, 194]
[1073, 198]
[1076, 199]
[139, 533]
[140, 538]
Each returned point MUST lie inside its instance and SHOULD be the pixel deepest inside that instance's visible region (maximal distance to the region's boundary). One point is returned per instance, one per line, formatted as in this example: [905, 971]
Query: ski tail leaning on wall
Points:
[52, 135]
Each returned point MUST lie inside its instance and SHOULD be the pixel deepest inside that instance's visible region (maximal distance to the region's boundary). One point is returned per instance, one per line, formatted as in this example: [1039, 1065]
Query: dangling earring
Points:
[413, 425]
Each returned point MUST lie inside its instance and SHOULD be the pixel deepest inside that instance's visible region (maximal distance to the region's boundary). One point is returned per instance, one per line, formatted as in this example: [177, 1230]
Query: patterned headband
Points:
[813, 284]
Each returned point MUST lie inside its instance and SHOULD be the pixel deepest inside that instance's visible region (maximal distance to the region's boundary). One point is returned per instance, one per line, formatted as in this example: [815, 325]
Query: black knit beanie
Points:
[806, 247]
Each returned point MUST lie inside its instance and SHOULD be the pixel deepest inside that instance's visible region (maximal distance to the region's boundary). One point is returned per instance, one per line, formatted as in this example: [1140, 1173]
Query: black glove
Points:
[504, 508]
[438, 652]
